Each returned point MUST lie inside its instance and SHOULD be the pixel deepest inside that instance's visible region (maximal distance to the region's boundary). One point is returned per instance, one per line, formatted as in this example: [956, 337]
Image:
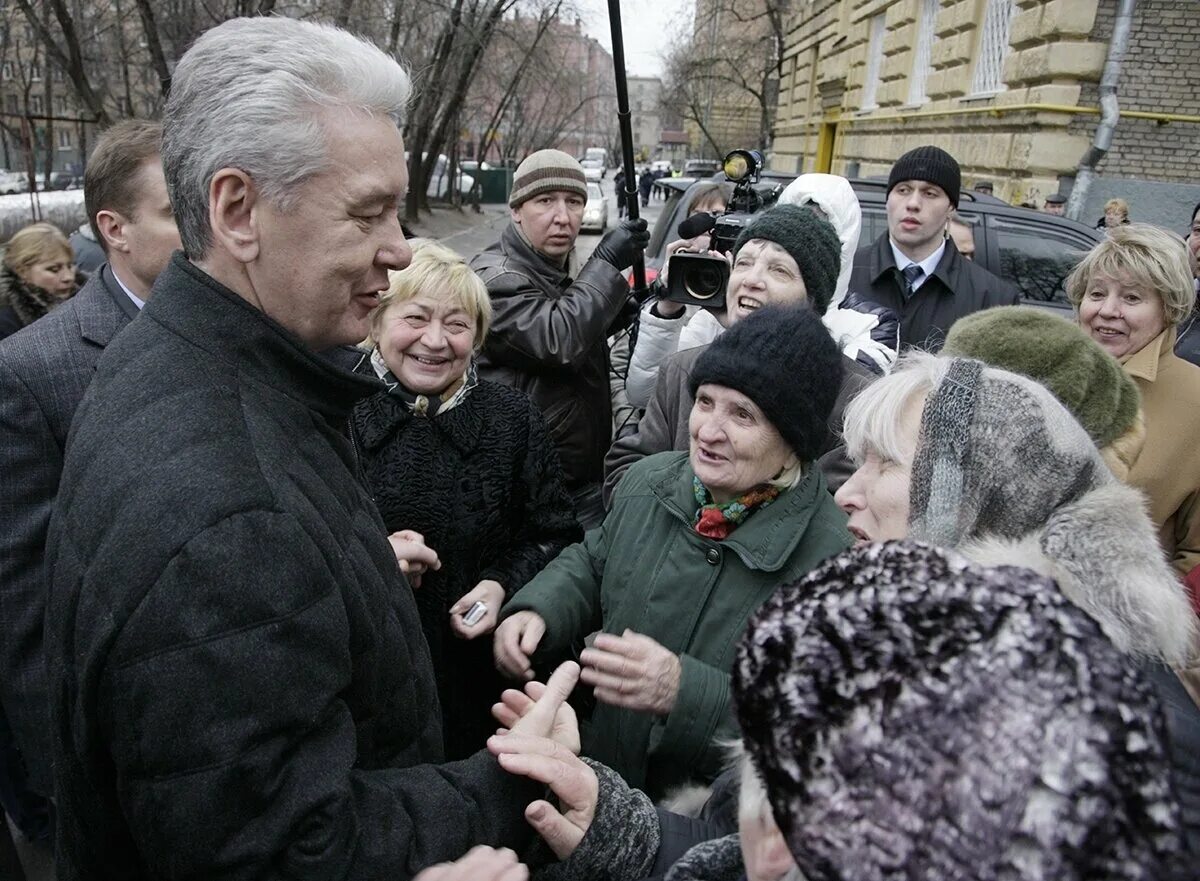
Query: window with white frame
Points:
[921, 58]
[64, 139]
[35, 71]
[874, 63]
[9, 71]
[993, 47]
[36, 106]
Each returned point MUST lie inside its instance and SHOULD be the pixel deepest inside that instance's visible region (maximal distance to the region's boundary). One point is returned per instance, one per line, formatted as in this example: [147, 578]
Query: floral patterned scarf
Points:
[717, 521]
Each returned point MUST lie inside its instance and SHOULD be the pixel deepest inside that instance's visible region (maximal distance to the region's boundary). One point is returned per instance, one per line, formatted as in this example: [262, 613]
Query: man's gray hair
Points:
[247, 95]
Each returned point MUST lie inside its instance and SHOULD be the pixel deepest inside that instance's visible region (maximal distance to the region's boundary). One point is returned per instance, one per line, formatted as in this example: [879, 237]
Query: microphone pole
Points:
[625, 123]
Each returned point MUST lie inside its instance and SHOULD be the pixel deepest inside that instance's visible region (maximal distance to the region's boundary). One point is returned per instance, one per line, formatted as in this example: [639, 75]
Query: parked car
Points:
[661, 165]
[13, 182]
[593, 169]
[439, 181]
[701, 167]
[595, 212]
[1035, 251]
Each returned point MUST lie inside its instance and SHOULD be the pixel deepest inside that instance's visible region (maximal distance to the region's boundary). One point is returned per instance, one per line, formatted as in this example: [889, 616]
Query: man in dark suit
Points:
[44, 371]
[911, 269]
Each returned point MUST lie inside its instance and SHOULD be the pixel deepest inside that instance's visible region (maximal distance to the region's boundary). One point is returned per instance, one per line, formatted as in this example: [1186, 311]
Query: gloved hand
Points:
[618, 245]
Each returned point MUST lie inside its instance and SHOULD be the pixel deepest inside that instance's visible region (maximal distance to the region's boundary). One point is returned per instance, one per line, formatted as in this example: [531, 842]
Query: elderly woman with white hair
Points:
[990, 463]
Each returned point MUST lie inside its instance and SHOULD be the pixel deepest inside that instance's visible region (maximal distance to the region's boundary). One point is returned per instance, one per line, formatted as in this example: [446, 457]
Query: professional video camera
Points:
[701, 279]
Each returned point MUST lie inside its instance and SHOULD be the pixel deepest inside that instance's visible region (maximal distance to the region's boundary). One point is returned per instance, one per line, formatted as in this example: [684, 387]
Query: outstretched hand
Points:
[514, 704]
[573, 783]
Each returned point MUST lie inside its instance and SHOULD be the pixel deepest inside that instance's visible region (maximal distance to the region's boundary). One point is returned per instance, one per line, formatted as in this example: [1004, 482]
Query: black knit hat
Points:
[932, 164]
[914, 716]
[784, 360]
[811, 241]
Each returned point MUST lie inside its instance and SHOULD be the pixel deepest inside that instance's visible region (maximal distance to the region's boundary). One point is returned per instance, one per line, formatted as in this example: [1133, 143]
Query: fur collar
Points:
[1103, 552]
[30, 302]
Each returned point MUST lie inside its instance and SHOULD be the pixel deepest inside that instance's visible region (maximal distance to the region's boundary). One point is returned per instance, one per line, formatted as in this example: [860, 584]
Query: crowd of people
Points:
[325, 553]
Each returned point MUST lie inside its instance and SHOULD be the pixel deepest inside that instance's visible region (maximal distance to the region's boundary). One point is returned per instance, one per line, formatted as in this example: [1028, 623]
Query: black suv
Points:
[1035, 251]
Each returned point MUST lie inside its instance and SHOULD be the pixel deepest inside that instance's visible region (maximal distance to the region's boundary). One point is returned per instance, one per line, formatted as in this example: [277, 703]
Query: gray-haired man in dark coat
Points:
[241, 688]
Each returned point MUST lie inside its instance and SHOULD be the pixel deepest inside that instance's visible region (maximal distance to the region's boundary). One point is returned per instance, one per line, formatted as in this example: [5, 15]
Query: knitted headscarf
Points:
[915, 718]
[810, 240]
[996, 454]
[1059, 355]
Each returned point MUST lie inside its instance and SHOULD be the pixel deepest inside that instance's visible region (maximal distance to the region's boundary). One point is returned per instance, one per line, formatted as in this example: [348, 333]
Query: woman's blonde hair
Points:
[36, 243]
[1144, 256]
[1117, 205]
[437, 271]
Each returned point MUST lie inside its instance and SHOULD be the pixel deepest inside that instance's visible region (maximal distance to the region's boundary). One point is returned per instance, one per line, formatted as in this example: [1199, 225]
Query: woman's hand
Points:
[413, 555]
[632, 671]
[488, 592]
[572, 782]
[480, 864]
[516, 640]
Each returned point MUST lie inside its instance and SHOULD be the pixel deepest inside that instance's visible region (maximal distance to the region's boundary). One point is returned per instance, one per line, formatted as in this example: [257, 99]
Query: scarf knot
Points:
[717, 521]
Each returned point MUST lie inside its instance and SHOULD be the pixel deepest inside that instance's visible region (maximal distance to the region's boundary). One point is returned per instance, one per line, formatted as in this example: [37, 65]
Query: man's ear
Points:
[112, 228]
[516, 216]
[234, 213]
[772, 859]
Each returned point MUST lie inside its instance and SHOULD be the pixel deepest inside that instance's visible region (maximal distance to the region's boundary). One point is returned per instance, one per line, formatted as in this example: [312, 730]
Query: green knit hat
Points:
[1058, 354]
[810, 240]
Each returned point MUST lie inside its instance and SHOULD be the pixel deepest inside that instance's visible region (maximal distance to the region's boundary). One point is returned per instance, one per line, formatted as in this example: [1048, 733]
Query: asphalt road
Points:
[469, 242]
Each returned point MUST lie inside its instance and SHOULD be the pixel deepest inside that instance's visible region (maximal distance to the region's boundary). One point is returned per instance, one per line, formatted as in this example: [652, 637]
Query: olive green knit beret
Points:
[1055, 352]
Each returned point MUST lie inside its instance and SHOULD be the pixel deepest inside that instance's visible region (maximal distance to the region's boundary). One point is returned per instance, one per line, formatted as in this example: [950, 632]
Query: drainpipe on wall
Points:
[1110, 111]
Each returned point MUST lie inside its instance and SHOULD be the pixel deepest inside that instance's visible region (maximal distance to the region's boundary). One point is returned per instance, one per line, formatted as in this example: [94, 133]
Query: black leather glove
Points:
[619, 245]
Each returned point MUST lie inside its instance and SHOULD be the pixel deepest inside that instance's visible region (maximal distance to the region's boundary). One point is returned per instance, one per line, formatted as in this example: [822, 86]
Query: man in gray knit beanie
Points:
[551, 318]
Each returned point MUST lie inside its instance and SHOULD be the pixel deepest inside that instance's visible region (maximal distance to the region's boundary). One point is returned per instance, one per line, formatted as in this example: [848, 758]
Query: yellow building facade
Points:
[1006, 86]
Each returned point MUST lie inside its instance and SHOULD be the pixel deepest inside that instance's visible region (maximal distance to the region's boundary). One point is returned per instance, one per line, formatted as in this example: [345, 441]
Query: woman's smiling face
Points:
[427, 342]
[763, 274]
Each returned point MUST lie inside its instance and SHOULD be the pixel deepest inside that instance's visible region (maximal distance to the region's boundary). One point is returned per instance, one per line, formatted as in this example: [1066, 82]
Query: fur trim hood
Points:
[1103, 552]
[833, 195]
[30, 302]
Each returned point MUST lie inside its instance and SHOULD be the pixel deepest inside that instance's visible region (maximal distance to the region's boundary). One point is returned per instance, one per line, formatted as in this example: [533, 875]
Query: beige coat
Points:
[1168, 469]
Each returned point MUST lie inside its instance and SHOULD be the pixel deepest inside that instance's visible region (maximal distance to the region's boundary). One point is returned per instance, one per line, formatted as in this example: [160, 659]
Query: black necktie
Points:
[911, 273]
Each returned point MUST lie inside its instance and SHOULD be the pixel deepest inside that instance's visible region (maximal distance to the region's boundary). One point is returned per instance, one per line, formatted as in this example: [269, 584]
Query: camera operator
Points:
[552, 318]
[786, 254]
[665, 326]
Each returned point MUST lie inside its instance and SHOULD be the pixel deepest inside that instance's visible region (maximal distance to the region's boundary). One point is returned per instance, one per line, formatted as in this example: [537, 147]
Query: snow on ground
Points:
[63, 208]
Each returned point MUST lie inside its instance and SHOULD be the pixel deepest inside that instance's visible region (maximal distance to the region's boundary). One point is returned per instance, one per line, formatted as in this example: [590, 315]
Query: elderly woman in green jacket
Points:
[693, 544]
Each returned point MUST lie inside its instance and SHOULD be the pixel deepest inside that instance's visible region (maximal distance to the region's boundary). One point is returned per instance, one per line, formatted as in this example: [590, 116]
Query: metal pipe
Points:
[1005, 109]
[1110, 110]
[626, 126]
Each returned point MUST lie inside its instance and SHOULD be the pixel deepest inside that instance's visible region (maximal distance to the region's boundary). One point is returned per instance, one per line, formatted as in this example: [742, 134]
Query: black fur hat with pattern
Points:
[916, 717]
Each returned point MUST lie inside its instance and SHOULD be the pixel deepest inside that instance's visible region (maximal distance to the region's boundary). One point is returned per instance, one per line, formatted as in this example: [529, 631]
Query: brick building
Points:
[1008, 86]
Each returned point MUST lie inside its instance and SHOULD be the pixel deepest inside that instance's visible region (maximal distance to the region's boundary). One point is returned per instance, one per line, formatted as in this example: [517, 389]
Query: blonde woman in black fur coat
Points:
[464, 474]
[38, 273]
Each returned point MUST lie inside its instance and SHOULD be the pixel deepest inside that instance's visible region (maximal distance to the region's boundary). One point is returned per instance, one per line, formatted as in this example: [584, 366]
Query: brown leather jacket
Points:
[549, 338]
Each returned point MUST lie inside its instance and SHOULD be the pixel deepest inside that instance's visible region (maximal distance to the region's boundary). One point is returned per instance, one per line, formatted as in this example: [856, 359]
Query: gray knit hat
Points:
[1059, 355]
[544, 172]
[995, 455]
[916, 717]
[811, 241]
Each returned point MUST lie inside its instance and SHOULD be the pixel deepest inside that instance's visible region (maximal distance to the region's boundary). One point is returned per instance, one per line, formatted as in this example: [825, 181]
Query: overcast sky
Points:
[647, 26]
